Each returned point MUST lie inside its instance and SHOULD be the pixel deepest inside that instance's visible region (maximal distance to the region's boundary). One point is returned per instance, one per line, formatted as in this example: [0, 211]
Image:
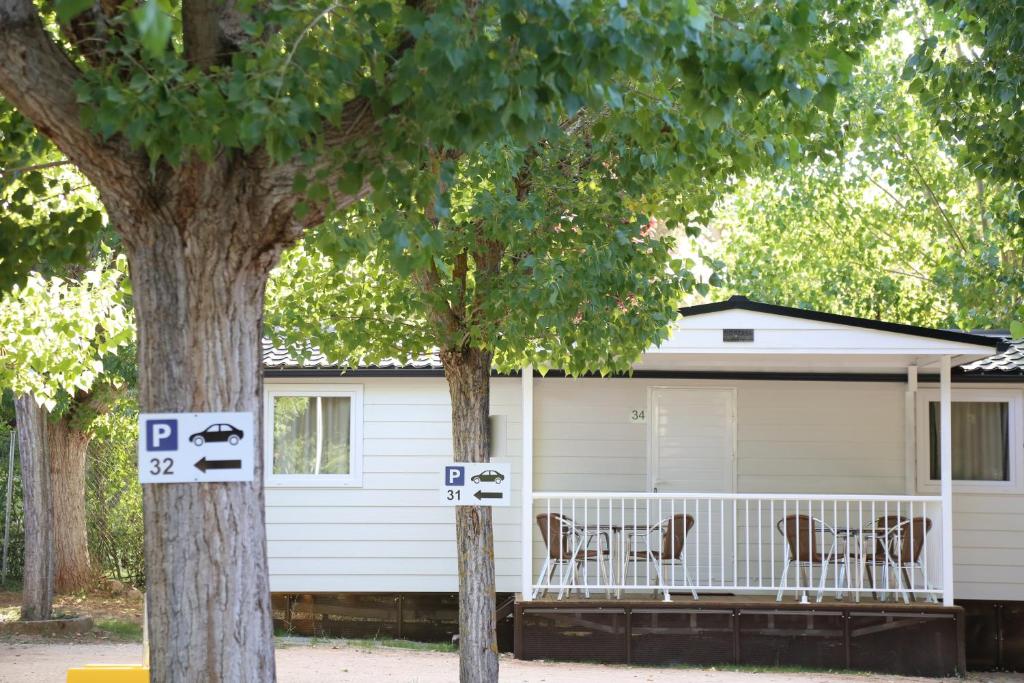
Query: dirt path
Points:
[47, 662]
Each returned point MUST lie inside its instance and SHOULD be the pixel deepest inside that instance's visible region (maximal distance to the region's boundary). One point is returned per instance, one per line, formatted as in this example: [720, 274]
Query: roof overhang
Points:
[743, 335]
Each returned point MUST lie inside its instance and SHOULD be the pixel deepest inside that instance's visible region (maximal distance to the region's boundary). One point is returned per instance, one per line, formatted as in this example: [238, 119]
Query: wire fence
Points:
[113, 501]
[12, 533]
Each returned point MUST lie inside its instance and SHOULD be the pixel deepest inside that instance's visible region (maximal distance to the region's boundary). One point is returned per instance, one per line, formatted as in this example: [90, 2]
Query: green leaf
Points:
[153, 21]
[69, 9]
[713, 117]
[1017, 329]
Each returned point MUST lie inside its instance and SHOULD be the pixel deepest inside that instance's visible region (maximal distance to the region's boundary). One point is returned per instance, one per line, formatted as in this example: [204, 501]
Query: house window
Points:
[986, 429]
[981, 440]
[313, 437]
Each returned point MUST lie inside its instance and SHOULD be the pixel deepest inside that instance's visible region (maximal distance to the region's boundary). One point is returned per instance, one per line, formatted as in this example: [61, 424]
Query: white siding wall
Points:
[792, 437]
[391, 534]
[988, 540]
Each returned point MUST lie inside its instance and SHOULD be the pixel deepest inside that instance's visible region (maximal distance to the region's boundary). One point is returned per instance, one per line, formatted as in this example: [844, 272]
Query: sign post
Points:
[476, 483]
[196, 447]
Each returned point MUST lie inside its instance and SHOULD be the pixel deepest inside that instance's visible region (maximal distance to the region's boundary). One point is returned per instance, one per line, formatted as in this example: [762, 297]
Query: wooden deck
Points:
[684, 599]
[920, 638]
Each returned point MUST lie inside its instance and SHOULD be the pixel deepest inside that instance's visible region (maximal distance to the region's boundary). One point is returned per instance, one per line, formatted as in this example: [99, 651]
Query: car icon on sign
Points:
[215, 433]
[489, 475]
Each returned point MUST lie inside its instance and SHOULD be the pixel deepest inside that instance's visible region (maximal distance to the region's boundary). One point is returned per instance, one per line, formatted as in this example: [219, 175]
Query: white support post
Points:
[910, 431]
[527, 485]
[946, 461]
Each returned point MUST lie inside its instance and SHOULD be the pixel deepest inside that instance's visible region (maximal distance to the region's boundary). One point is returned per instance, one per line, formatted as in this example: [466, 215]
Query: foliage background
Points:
[16, 546]
[113, 496]
[894, 227]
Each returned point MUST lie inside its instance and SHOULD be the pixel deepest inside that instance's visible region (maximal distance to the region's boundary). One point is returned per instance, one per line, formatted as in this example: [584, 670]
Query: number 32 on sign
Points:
[196, 447]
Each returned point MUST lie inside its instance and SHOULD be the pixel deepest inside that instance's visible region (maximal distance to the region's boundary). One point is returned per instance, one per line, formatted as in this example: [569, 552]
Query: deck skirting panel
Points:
[914, 640]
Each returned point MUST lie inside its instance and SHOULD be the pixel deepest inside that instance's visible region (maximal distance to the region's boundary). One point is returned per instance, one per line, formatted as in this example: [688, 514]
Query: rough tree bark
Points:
[37, 581]
[67, 452]
[199, 268]
[201, 239]
[469, 380]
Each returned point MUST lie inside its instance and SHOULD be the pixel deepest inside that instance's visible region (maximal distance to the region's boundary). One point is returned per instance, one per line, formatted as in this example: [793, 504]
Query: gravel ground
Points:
[48, 661]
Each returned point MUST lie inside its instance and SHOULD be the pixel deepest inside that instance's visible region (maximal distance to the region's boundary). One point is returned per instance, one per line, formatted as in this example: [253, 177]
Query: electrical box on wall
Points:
[499, 436]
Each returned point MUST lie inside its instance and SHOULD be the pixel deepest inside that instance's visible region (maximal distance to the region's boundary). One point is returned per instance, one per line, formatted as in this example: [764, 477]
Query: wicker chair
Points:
[568, 547]
[673, 533]
[897, 552]
[802, 533]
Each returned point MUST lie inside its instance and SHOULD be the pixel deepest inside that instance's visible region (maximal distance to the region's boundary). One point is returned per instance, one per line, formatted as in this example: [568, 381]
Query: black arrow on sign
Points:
[203, 464]
[486, 494]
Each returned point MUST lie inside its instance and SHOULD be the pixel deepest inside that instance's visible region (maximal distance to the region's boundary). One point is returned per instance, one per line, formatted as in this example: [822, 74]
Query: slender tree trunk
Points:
[37, 580]
[199, 278]
[469, 381]
[67, 450]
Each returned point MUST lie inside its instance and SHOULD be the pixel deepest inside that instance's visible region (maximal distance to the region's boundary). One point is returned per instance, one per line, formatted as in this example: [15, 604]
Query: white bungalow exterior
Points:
[747, 404]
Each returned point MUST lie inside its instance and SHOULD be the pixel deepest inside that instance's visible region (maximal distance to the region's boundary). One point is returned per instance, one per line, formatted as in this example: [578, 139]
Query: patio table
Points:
[611, 534]
[855, 537]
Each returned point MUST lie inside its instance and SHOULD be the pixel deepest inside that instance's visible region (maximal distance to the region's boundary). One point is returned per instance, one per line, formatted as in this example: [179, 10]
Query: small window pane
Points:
[981, 441]
[294, 434]
[311, 435]
[335, 454]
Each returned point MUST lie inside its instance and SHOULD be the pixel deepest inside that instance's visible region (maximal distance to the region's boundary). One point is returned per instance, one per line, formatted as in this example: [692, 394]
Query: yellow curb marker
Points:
[109, 673]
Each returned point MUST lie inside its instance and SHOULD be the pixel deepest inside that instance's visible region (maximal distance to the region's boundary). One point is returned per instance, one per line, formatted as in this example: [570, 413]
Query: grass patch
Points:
[125, 630]
[11, 585]
[768, 669]
[287, 638]
[403, 644]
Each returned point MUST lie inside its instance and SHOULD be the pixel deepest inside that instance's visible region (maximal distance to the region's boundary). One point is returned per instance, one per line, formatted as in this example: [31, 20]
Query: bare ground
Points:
[100, 605]
[322, 662]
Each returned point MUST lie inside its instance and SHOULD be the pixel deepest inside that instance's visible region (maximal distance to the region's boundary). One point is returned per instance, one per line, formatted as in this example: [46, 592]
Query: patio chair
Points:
[568, 550]
[898, 545]
[673, 532]
[802, 534]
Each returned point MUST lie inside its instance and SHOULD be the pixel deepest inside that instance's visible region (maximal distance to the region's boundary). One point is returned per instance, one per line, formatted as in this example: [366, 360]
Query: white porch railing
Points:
[805, 545]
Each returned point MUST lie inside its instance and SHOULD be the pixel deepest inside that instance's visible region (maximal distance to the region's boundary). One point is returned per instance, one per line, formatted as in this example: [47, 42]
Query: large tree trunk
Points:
[199, 272]
[68, 446]
[469, 381]
[37, 581]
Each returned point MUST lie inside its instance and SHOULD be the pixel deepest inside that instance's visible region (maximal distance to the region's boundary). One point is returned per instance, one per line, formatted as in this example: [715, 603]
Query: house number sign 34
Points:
[638, 415]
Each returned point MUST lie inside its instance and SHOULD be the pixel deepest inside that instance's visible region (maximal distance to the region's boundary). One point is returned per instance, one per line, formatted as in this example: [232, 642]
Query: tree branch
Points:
[34, 167]
[212, 31]
[38, 78]
[200, 32]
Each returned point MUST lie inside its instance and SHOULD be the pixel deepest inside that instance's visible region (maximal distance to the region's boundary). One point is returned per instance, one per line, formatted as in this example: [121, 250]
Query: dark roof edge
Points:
[743, 303]
[353, 372]
[957, 377]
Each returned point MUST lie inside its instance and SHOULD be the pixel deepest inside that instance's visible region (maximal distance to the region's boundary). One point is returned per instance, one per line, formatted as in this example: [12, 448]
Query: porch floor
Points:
[732, 601]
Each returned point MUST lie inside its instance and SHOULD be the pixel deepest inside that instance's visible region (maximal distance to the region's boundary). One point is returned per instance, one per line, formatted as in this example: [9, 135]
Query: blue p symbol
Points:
[162, 435]
[455, 476]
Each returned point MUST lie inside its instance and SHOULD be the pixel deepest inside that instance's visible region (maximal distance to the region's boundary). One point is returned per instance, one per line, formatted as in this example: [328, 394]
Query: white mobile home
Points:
[768, 461]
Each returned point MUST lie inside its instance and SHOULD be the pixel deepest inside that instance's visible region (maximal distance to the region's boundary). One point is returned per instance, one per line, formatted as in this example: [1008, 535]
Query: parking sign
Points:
[196, 447]
[476, 483]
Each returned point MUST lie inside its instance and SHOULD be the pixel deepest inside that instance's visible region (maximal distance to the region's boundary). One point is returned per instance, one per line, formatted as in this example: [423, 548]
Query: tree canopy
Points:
[49, 215]
[61, 336]
[551, 252]
[893, 227]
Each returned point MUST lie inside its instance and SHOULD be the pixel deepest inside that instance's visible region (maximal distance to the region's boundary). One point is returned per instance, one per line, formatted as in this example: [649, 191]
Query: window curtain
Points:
[298, 422]
[981, 441]
[334, 458]
[294, 434]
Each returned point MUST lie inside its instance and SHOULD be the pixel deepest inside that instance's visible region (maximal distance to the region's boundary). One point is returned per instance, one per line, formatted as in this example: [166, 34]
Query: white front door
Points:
[694, 436]
[693, 451]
